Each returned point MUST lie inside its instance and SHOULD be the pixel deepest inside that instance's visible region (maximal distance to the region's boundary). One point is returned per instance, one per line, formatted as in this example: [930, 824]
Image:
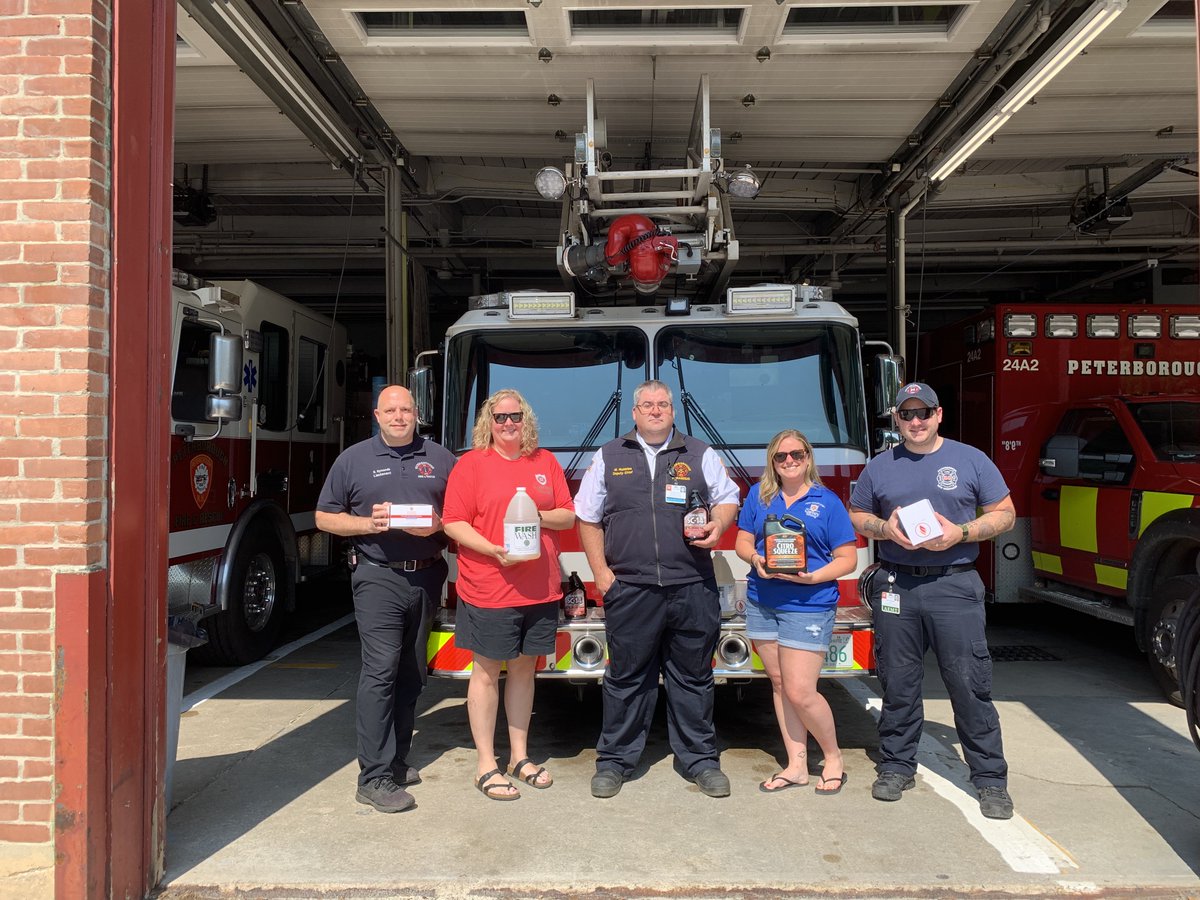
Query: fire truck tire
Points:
[1162, 618]
[258, 600]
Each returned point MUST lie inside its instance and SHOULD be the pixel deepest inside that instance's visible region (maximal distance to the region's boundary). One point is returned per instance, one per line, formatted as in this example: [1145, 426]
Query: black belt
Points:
[929, 571]
[406, 565]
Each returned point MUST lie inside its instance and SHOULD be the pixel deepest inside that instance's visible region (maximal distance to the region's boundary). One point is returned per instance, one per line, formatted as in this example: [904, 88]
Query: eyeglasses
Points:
[921, 412]
[797, 455]
[501, 418]
[648, 406]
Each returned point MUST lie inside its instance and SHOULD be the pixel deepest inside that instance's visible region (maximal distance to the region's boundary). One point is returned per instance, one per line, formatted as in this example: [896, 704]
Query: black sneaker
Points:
[607, 783]
[891, 786]
[712, 782]
[385, 795]
[405, 775]
[994, 802]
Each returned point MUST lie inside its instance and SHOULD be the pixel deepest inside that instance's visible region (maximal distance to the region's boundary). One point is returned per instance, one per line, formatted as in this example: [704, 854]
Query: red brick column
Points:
[54, 393]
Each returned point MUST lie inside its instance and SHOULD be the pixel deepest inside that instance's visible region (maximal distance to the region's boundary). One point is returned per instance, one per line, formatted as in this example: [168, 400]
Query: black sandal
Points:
[489, 790]
[531, 780]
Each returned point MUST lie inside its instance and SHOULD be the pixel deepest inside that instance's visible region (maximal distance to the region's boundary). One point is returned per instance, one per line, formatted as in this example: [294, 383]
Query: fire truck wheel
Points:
[258, 583]
[1166, 604]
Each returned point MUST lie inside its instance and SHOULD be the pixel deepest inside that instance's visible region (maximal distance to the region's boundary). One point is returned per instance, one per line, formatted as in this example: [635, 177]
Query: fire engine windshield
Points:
[753, 380]
[1171, 428]
[569, 376]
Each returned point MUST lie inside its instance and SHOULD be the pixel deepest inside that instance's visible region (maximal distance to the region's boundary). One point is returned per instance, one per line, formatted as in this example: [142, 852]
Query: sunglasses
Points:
[922, 413]
[797, 455]
[501, 418]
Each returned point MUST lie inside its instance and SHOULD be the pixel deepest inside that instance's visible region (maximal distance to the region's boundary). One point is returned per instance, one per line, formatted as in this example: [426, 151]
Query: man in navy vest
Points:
[661, 609]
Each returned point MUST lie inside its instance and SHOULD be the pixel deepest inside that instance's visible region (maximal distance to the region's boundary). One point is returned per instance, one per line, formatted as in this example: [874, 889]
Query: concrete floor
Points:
[1104, 778]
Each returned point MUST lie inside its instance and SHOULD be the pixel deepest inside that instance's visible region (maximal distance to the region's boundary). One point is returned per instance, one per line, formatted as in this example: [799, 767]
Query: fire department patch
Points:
[681, 471]
[424, 470]
[947, 478]
[540, 478]
[202, 473]
[913, 389]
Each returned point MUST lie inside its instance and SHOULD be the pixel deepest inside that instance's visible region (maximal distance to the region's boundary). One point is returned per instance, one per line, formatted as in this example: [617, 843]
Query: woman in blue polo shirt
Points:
[790, 617]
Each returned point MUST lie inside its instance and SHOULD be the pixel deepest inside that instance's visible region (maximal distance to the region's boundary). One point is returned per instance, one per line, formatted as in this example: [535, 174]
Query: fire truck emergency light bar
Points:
[541, 305]
[749, 301]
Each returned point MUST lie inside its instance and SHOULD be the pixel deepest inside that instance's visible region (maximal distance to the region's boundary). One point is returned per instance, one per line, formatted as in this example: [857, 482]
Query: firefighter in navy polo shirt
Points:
[930, 596]
[661, 609]
[397, 581]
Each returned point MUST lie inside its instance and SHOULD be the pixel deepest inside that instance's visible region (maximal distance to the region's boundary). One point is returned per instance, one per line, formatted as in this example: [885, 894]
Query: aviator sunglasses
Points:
[797, 455]
[921, 412]
[501, 418]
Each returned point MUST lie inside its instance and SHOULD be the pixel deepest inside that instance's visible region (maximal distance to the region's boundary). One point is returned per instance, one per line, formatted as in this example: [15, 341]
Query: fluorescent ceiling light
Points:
[283, 75]
[1082, 32]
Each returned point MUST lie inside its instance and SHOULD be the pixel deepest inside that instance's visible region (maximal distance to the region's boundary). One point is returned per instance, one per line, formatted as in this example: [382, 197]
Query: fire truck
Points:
[1092, 414]
[257, 387]
[652, 252]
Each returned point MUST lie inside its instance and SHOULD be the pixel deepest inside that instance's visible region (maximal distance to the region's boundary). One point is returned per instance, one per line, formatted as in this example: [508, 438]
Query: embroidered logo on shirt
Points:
[424, 470]
[813, 510]
[681, 471]
[947, 478]
[379, 473]
[540, 479]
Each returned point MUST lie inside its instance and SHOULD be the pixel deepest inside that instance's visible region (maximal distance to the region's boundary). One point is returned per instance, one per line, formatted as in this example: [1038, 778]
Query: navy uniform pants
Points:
[669, 630]
[394, 611]
[943, 613]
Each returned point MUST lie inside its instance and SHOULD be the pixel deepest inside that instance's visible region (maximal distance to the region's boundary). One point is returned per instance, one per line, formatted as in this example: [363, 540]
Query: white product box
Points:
[410, 515]
[920, 524]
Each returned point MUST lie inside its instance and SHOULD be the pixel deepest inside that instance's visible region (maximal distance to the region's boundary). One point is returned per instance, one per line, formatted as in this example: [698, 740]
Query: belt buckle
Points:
[408, 565]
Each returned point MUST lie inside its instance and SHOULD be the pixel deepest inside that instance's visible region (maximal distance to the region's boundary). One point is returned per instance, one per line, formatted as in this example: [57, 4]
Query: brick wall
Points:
[54, 275]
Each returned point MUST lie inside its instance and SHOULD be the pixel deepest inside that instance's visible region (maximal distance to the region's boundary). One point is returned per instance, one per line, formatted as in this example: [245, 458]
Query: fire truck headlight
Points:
[550, 183]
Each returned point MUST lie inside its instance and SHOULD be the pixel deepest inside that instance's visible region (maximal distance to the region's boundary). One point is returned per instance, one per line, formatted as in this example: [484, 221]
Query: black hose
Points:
[637, 242]
[1187, 659]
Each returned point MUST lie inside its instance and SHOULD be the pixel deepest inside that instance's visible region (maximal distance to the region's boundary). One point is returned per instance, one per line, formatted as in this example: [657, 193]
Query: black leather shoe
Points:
[712, 782]
[607, 783]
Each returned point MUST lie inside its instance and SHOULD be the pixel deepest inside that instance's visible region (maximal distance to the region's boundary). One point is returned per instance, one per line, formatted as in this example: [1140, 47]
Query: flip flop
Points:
[489, 790]
[787, 784]
[829, 792]
[532, 779]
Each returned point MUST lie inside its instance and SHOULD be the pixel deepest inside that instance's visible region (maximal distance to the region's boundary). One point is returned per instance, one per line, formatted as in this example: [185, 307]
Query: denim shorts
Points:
[795, 629]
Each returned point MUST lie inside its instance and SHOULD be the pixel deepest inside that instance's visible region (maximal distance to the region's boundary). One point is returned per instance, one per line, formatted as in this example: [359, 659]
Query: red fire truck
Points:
[1092, 413]
[258, 384]
[743, 363]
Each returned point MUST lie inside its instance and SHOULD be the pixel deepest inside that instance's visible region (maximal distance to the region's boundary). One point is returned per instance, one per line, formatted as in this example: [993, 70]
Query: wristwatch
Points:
[966, 533]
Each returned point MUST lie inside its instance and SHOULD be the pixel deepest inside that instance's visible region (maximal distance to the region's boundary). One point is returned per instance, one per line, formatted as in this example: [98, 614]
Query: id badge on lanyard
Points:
[889, 600]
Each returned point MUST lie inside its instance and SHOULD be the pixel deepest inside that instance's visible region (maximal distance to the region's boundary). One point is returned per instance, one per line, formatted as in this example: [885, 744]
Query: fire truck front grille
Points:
[189, 585]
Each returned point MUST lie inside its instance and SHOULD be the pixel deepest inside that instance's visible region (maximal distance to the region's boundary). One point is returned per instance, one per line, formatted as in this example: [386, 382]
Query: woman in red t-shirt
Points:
[507, 608]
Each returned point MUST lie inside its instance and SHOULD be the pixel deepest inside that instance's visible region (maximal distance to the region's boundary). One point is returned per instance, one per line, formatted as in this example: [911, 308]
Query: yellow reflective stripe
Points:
[567, 661]
[1047, 562]
[755, 660]
[1113, 576]
[1077, 518]
[1155, 504]
[437, 640]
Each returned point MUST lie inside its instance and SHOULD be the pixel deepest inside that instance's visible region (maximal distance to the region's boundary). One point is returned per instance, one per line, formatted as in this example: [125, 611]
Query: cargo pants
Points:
[943, 613]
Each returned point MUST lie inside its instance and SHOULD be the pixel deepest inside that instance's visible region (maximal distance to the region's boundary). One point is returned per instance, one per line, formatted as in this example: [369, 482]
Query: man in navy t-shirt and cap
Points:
[929, 595]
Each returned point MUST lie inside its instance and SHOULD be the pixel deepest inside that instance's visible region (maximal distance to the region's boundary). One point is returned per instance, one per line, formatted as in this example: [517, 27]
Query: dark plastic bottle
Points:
[575, 599]
[695, 518]
[786, 550]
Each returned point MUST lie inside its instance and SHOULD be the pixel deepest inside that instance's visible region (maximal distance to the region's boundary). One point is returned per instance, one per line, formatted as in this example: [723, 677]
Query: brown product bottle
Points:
[786, 550]
[695, 518]
[575, 599]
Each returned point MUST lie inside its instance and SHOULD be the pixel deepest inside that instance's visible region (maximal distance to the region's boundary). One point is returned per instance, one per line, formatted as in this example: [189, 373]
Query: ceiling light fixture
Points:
[1082, 32]
[242, 35]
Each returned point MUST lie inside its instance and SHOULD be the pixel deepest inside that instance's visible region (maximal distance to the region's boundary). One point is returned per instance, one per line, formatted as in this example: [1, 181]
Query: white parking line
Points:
[1022, 846]
[195, 698]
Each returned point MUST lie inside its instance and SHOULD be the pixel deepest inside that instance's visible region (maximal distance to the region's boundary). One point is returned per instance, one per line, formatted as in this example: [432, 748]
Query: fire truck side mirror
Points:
[225, 363]
[421, 385]
[885, 438]
[889, 376]
[1060, 457]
